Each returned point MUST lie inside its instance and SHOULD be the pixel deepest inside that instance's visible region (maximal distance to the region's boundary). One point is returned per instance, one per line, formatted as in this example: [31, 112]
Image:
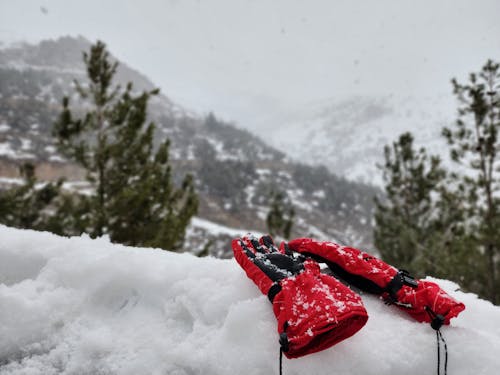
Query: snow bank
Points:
[82, 306]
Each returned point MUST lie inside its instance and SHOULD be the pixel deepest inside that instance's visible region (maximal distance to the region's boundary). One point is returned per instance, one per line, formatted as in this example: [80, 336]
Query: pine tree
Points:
[134, 200]
[446, 224]
[408, 230]
[280, 217]
[456, 254]
[475, 145]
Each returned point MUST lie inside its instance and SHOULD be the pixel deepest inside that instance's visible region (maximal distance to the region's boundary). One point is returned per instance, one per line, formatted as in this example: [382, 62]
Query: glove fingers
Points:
[285, 249]
[252, 244]
[268, 242]
[244, 247]
[263, 245]
[273, 248]
[259, 247]
[255, 268]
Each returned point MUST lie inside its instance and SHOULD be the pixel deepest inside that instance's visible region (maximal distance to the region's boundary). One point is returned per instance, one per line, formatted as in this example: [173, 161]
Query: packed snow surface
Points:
[83, 306]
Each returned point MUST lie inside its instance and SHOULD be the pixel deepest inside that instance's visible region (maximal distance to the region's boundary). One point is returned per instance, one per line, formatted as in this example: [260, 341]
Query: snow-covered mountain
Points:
[348, 135]
[82, 306]
[234, 170]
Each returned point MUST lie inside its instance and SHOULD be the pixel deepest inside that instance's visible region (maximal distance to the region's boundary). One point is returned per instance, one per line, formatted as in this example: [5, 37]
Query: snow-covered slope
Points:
[82, 306]
[348, 134]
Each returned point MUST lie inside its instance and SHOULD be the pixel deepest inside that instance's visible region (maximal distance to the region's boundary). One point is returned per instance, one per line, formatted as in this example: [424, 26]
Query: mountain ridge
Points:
[349, 134]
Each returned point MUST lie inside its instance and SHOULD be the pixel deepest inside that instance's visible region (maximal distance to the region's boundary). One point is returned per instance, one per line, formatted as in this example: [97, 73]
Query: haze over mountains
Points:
[329, 80]
[348, 135]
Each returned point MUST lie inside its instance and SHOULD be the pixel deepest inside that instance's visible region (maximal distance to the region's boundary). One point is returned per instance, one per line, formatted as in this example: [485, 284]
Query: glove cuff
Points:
[428, 296]
[316, 311]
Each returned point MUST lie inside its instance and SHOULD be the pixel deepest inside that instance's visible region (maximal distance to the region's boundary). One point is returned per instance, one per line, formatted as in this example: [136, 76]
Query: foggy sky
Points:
[255, 58]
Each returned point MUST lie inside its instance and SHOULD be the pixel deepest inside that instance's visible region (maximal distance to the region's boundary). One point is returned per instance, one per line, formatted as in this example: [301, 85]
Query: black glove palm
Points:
[275, 264]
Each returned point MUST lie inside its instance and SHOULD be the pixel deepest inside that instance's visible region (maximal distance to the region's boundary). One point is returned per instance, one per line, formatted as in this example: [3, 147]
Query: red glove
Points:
[314, 311]
[425, 301]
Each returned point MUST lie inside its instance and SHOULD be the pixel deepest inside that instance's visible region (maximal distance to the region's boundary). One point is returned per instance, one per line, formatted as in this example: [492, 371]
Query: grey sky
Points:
[240, 57]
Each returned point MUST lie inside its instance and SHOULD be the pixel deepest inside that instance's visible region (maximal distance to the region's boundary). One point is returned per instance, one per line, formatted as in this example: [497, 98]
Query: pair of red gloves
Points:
[315, 310]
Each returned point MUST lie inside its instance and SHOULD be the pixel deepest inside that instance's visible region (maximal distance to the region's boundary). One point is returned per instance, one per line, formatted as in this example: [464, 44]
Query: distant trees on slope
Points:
[281, 215]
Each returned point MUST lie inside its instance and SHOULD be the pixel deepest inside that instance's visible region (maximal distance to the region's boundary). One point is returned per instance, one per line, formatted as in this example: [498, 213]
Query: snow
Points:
[57, 158]
[25, 144]
[7, 150]
[83, 306]
[4, 128]
[22, 66]
[319, 194]
[10, 181]
[217, 229]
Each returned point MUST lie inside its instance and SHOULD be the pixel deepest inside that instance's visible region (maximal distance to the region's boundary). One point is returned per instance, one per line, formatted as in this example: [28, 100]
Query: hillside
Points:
[234, 169]
[349, 134]
[82, 306]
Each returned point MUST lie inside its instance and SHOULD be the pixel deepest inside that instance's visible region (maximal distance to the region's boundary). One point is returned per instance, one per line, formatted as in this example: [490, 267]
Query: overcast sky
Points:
[239, 57]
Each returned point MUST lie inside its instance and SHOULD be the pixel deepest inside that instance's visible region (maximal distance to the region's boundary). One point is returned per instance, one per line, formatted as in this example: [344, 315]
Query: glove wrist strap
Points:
[401, 278]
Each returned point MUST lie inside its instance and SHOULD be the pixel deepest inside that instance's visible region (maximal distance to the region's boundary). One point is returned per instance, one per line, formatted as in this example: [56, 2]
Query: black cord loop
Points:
[436, 323]
[281, 360]
[439, 338]
[284, 345]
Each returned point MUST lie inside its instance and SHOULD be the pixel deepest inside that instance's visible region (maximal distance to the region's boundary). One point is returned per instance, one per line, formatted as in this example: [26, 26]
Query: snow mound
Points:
[82, 306]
